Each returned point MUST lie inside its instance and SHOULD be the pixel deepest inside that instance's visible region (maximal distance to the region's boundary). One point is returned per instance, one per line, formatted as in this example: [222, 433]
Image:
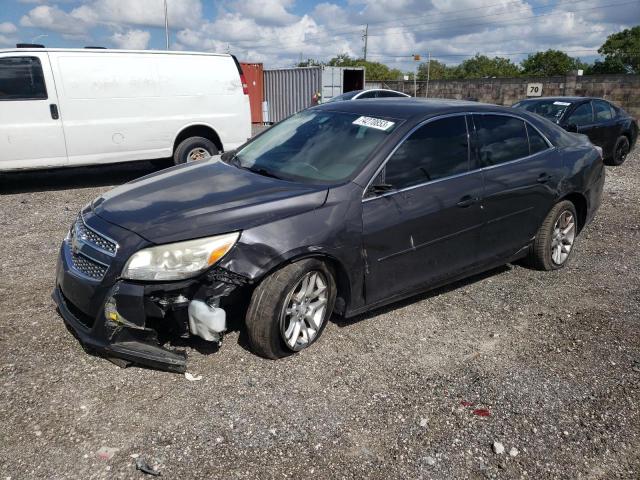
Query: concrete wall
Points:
[622, 90]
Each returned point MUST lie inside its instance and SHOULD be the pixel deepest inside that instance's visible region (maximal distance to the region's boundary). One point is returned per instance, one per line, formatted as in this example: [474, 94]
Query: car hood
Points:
[201, 199]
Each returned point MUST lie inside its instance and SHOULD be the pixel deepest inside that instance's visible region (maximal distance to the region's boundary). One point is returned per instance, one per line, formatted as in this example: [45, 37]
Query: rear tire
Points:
[279, 320]
[620, 151]
[194, 148]
[555, 238]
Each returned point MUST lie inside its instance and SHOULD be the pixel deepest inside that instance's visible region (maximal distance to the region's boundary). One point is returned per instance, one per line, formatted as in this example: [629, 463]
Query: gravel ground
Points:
[552, 358]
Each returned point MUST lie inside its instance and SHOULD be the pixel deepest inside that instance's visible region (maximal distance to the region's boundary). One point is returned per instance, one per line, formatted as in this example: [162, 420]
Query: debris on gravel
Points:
[561, 358]
[498, 448]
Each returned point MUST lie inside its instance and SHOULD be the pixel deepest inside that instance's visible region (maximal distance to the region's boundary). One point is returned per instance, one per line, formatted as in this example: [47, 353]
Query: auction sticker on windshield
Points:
[377, 123]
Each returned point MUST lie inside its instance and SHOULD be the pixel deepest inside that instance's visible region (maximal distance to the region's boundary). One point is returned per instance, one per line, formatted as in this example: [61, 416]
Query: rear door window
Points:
[371, 94]
[500, 139]
[583, 115]
[436, 150]
[21, 78]
[602, 111]
[536, 142]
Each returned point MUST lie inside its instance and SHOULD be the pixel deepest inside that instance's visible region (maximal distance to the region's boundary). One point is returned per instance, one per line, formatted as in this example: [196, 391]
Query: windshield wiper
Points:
[262, 171]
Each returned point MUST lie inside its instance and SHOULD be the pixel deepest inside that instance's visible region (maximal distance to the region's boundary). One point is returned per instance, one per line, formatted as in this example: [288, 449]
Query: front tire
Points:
[290, 308]
[620, 151]
[554, 240]
[194, 148]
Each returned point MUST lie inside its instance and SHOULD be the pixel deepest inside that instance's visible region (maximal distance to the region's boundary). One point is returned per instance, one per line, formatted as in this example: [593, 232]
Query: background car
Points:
[340, 208]
[606, 125]
[371, 93]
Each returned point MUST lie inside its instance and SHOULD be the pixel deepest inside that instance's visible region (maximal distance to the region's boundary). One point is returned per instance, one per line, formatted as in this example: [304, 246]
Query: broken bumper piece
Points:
[125, 341]
[129, 322]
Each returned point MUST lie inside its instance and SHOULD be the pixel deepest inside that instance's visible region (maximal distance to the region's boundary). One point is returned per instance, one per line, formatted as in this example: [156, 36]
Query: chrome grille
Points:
[84, 233]
[88, 267]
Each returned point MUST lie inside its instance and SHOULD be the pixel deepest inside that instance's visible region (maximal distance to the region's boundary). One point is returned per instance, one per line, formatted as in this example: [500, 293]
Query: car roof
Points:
[107, 51]
[561, 99]
[406, 108]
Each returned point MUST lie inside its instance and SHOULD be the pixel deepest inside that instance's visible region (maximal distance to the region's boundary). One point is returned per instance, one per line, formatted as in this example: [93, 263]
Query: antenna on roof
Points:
[29, 45]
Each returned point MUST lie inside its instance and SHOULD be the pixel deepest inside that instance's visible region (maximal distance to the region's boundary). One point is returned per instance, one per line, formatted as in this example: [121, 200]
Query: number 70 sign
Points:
[534, 89]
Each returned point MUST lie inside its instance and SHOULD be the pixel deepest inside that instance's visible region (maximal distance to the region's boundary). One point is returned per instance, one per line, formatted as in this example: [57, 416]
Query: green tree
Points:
[437, 71]
[482, 66]
[623, 48]
[309, 62]
[375, 70]
[609, 65]
[549, 63]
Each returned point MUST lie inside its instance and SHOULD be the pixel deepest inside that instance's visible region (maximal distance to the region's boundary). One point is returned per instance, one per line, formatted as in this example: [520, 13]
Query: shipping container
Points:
[253, 75]
[289, 90]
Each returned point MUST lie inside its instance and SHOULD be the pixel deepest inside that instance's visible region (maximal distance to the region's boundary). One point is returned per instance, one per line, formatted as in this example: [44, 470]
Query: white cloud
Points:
[54, 19]
[7, 27]
[132, 39]
[181, 13]
[266, 12]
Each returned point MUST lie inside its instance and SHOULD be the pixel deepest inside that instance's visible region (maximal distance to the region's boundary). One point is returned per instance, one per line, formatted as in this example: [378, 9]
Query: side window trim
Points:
[515, 160]
[593, 116]
[44, 82]
[380, 171]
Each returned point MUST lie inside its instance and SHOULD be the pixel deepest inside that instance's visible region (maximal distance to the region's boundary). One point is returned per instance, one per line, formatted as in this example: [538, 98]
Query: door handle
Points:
[544, 178]
[53, 108]
[466, 201]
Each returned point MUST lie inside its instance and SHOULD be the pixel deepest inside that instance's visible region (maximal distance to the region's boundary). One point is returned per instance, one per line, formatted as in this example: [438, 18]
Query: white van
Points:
[66, 107]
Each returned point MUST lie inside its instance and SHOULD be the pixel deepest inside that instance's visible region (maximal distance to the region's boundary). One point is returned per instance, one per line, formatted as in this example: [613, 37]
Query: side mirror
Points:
[227, 155]
[571, 127]
[380, 188]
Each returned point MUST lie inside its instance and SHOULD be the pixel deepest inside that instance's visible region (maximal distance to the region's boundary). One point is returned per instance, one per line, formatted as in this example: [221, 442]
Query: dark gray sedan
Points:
[339, 209]
[606, 125]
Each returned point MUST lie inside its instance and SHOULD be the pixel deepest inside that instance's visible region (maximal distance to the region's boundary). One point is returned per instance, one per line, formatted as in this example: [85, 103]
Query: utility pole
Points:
[166, 24]
[365, 37]
[426, 94]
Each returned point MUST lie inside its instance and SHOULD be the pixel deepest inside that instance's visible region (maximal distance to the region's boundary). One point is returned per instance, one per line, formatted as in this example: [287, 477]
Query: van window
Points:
[536, 142]
[436, 150]
[500, 139]
[21, 78]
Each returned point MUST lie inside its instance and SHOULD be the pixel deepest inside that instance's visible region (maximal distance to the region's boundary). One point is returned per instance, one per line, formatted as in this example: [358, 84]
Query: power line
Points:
[522, 19]
[440, 22]
[337, 32]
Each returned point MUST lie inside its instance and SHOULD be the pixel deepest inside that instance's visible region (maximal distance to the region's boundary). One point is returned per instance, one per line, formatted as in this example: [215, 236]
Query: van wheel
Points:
[290, 308]
[554, 241]
[620, 151]
[194, 148]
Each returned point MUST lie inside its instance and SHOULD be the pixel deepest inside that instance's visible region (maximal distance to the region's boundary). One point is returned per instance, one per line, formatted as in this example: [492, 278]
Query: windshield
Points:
[551, 109]
[315, 146]
[344, 96]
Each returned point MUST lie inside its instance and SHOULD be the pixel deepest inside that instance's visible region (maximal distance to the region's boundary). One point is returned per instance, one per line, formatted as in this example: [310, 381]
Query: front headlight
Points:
[176, 261]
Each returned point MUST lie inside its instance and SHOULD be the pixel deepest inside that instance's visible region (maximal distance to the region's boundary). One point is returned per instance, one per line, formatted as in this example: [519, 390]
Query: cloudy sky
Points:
[279, 32]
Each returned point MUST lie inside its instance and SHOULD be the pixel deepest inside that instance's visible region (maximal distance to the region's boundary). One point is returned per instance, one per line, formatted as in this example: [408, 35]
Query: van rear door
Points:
[31, 133]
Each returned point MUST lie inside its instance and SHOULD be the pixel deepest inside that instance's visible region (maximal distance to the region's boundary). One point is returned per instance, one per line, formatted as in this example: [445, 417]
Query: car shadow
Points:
[77, 177]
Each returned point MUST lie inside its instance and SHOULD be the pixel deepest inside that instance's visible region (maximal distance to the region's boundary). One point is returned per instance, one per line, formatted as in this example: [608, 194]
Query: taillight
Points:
[245, 87]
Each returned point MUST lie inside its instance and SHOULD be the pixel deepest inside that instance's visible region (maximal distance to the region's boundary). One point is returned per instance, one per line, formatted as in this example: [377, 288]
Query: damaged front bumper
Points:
[128, 322]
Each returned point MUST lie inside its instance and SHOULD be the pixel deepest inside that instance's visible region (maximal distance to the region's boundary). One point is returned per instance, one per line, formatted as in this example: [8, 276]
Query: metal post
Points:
[166, 24]
[426, 93]
[415, 77]
[366, 37]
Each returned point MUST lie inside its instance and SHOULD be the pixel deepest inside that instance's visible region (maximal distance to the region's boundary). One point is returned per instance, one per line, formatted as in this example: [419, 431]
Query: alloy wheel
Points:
[564, 234]
[304, 311]
[622, 151]
[198, 153]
